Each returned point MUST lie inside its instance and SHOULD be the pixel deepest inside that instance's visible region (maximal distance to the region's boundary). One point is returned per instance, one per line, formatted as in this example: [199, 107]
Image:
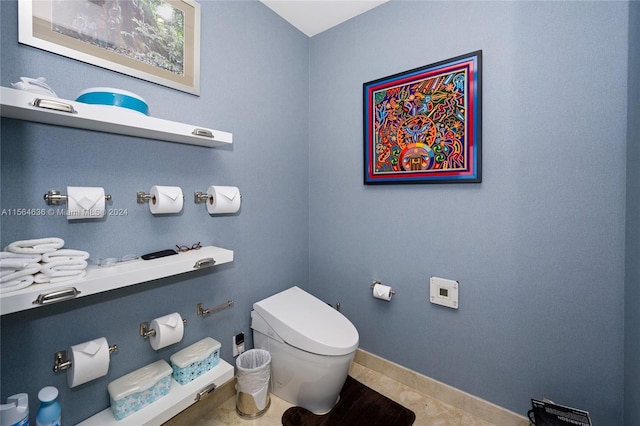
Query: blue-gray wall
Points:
[254, 84]
[538, 246]
[632, 281]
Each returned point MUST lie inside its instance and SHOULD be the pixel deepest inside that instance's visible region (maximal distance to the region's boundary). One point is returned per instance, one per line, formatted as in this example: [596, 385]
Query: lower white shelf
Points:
[179, 398]
[104, 279]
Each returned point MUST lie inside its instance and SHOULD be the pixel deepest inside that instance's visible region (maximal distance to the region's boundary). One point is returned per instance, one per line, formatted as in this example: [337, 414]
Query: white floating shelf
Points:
[20, 104]
[125, 274]
[179, 398]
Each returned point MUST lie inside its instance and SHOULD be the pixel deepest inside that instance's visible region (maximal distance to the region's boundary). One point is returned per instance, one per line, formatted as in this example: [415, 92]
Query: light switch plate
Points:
[444, 292]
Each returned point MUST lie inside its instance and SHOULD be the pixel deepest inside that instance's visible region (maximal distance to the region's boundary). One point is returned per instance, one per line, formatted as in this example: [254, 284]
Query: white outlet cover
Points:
[444, 292]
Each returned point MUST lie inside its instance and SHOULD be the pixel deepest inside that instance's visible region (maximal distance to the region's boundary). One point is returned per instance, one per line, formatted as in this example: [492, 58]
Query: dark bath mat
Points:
[359, 405]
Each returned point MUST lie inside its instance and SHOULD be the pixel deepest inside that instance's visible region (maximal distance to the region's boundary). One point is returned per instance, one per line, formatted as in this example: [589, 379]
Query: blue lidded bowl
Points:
[113, 97]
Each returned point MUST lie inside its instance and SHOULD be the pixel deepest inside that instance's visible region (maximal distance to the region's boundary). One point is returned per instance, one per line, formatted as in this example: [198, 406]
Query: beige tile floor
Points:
[429, 411]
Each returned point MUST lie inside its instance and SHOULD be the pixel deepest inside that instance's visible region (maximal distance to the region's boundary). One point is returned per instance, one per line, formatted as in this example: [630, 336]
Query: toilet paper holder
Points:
[61, 362]
[53, 197]
[146, 333]
[142, 197]
[201, 197]
[373, 284]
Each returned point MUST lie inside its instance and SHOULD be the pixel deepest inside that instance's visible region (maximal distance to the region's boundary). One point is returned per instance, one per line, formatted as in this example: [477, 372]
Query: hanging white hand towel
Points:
[17, 284]
[36, 246]
[65, 254]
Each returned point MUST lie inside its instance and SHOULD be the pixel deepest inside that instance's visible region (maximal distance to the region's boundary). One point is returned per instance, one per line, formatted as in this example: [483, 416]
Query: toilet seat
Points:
[305, 322]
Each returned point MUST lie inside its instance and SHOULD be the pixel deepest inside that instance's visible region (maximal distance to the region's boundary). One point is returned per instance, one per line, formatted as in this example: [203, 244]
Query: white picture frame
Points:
[154, 40]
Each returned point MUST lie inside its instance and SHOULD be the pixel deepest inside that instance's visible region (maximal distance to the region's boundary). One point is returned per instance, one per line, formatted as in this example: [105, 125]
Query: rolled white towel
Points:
[65, 254]
[16, 284]
[12, 262]
[31, 269]
[31, 258]
[43, 279]
[64, 268]
[36, 246]
[7, 271]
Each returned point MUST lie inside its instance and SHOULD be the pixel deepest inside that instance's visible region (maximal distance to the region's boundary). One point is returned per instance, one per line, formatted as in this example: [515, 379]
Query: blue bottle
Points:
[50, 411]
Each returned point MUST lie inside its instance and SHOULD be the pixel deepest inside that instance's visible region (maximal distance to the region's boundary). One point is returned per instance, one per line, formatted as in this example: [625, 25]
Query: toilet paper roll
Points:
[169, 330]
[223, 199]
[381, 291]
[89, 361]
[165, 199]
[85, 202]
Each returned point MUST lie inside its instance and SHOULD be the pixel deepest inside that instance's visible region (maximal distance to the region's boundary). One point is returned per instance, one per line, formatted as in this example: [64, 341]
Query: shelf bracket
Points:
[205, 392]
[53, 105]
[56, 296]
[204, 263]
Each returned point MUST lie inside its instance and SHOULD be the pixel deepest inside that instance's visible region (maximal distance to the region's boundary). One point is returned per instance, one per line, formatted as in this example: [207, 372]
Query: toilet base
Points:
[304, 379]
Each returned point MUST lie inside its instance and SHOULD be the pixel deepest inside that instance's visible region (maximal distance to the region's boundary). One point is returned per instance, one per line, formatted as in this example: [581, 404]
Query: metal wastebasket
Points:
[254, 372]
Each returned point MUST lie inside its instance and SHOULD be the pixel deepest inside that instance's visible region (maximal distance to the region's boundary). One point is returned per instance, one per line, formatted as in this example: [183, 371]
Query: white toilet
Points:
[311, 346]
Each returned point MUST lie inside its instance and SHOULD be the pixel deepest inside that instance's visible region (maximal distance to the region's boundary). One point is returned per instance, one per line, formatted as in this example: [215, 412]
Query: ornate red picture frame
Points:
[424, 125]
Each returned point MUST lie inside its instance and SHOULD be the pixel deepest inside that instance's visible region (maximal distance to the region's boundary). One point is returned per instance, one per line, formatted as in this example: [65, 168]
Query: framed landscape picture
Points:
[155, 40]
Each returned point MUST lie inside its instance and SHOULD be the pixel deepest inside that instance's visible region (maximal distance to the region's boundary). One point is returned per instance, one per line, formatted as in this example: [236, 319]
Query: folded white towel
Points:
[14, 264]
[65, 254]
[17, 284]
[42, 278]
[64, 268]
[32, 268]
[7, 271]
[32, 258]
[14, 261]
[35, 246]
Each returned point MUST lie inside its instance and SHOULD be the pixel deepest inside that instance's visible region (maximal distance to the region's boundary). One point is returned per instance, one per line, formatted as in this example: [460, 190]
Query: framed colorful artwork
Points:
[425, 125]
[155, 40]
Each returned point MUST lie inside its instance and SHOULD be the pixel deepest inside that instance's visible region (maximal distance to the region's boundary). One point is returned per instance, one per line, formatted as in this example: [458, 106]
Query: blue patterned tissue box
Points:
[195, 360]
[136, 390]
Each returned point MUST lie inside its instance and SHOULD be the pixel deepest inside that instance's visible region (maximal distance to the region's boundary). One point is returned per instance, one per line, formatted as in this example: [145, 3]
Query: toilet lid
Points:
[307, 323]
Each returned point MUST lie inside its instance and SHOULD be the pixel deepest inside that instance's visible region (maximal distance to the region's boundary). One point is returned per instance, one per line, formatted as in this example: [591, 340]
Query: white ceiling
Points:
[315, 16]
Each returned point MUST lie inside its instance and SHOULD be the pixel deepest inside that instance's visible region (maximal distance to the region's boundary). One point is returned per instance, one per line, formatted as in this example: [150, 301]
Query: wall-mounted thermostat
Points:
[444, 292]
